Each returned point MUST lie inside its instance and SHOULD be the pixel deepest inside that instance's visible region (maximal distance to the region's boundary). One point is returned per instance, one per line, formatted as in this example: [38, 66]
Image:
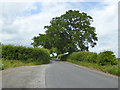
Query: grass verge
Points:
[107, 68]
[16, 63]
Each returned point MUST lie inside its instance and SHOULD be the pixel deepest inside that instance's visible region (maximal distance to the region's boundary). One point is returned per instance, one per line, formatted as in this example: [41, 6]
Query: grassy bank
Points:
[107, 68]
[16, 63]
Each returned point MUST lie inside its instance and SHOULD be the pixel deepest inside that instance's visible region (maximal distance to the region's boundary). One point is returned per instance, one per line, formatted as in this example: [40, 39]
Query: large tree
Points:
[70, 32]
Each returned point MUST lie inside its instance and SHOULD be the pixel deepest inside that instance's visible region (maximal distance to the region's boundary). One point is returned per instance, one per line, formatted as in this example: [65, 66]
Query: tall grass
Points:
[16, 63]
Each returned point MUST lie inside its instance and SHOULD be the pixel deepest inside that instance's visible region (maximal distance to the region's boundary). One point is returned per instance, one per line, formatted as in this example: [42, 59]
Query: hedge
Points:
[62, 57]
[103, 58]
[83, 56]
[107, 57]
[59, 56]
[11, 52]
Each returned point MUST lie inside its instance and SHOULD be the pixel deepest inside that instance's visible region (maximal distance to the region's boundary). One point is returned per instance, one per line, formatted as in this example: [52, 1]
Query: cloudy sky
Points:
[21, 21]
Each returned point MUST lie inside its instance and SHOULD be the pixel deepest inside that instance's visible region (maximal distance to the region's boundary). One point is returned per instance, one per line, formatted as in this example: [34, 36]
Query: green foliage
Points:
[107, 68]
[83, 56]
[60, 56]
[102, 58]
[17, 63]
[78, 56]
[71, 32]
[91, 57]
[39, 55]
[107, 57]
[64, 57]
[43, 40]
[104, 61]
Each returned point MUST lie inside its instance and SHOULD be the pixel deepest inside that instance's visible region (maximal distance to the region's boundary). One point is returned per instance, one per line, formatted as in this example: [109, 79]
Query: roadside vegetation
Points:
[70, 33]
[13, 56]
[15, 63]
[104, 61]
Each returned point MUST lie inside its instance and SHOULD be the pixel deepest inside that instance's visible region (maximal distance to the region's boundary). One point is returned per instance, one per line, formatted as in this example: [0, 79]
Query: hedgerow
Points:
[107, 57]
[103, 58]
[11, 52]
[83, 56]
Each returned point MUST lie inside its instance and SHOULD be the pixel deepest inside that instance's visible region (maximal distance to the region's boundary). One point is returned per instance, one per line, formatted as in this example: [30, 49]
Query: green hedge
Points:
[60, 56]
[103, 58]
[107, 57]
[83, 56]
[11, 52]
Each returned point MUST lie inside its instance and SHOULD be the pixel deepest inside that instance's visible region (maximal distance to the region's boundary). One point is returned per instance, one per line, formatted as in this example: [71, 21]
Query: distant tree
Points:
[70, 32]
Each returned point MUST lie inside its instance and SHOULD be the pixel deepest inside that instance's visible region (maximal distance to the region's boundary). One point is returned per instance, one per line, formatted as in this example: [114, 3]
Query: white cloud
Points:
[106, 23]
[51, 0]
[10, 11]
[19, 29]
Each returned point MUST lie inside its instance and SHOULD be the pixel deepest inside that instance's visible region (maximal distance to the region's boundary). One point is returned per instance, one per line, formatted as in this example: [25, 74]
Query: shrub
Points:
[64, 57]
[11, 52]
[83, 56]
[59, 56]
[107, 57]
[79, 56]
[91, 57]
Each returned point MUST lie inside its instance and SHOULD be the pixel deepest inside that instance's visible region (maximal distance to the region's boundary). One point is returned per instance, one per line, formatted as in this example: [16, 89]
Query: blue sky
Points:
[37, 10]
[21, 21]
[85, 6]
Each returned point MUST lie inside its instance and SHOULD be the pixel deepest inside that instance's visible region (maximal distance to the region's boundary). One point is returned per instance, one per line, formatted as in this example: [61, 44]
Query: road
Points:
[57, 74]
[24, 77]
[66, 75]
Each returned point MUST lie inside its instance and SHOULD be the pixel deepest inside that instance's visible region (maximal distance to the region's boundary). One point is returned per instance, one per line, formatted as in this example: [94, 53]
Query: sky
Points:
[22, 20]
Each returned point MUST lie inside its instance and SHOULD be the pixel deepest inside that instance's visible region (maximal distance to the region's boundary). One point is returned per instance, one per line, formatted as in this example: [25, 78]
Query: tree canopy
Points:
[70, 32]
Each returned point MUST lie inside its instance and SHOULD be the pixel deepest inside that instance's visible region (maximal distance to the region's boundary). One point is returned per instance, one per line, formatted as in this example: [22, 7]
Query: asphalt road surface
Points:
[66, 75]
[57, 74]
[24, 77]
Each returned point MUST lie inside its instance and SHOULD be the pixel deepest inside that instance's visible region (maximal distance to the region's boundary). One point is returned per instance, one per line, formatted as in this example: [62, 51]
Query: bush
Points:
[91, 57]
[64, 57]
[107, 57]
[79, 56]
[11, 52]
[59, 56]
[83, 56]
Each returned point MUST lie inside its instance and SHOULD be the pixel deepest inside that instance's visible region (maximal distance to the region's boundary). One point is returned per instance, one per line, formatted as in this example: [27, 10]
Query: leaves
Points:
[11, 52]
[70, 32]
